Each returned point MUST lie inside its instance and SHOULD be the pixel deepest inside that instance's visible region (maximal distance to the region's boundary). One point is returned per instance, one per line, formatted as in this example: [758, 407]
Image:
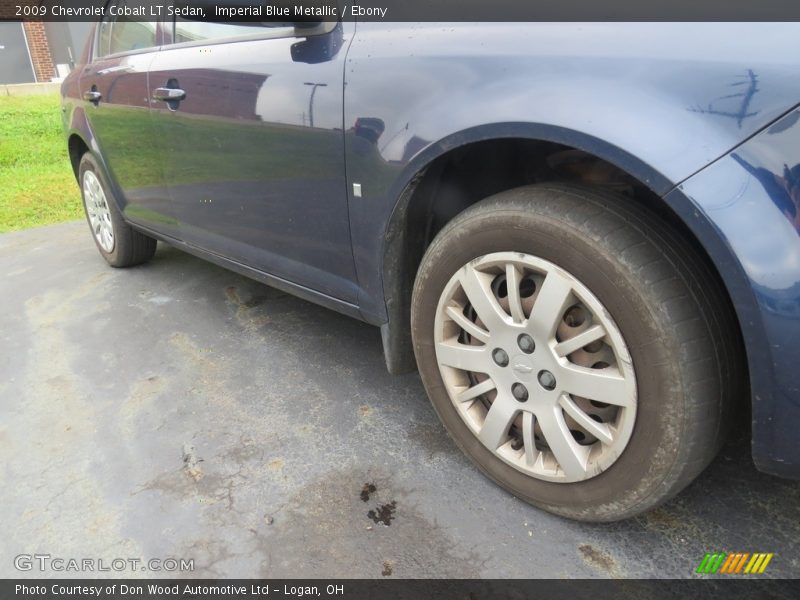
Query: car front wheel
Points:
[576, 348]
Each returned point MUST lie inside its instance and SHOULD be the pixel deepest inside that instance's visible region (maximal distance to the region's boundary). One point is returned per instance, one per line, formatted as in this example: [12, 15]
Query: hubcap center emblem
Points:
[522, 366]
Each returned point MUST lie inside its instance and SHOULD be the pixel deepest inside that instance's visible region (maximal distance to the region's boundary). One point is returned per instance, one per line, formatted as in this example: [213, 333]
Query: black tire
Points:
[131, 247]
[671, 310]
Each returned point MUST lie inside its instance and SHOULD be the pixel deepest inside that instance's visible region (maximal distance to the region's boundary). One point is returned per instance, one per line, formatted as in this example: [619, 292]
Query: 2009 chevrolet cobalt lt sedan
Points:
[586, 237]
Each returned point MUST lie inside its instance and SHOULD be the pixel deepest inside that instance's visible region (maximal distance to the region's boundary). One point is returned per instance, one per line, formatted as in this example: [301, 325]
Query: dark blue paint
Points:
[254, 170]
[752, 197]
[253, 157]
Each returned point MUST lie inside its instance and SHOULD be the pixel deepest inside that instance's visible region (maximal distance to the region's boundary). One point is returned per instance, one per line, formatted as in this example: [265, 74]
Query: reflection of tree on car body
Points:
[783, 189]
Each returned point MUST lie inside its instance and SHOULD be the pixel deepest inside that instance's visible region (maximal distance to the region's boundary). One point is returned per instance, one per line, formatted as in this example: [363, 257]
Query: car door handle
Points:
[168, 94]
[92, 96]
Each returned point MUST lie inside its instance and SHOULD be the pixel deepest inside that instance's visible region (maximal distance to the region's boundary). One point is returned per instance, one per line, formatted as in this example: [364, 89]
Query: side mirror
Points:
[317, 49]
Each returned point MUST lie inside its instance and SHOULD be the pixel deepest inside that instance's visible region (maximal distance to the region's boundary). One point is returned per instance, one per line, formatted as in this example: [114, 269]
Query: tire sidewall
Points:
[89, 163]
[646, 464]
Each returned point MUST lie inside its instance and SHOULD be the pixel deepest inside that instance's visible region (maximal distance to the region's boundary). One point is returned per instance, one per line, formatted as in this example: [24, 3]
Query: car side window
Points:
[198, 31]
[121, 34]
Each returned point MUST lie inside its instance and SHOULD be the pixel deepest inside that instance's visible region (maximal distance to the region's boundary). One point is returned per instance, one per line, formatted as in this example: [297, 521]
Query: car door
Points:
[115, 90]
[250, 122]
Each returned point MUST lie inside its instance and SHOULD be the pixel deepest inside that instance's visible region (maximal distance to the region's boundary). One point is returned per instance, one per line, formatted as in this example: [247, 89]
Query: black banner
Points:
[414, 589]
[404, 10]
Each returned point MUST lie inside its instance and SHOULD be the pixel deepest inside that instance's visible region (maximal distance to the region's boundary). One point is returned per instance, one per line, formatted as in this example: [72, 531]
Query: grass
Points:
[37, 186]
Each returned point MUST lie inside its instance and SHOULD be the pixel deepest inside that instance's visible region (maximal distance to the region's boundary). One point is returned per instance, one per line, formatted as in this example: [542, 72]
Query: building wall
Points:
[40, 51]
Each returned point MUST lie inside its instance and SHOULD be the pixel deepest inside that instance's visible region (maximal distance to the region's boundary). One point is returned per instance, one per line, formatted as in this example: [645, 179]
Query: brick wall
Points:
[40, 50]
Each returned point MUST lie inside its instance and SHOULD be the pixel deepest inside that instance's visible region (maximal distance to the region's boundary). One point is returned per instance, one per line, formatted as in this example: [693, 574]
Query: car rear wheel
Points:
[576, 348]
[118, 242]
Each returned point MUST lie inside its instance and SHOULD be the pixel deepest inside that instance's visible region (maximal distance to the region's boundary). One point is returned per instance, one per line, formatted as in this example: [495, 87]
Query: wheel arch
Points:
[412, 224]
[80, 140]
[77, 147]
[80, 137]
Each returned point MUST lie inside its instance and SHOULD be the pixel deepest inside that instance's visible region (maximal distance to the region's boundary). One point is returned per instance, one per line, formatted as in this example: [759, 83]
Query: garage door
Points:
[15, 62]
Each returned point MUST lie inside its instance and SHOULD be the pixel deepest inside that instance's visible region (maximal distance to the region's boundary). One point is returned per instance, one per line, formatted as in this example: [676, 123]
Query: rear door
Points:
[115, 92]
[250, 123]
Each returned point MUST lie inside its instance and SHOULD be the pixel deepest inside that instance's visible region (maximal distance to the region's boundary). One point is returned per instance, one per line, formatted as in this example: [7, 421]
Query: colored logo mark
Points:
[735, 563]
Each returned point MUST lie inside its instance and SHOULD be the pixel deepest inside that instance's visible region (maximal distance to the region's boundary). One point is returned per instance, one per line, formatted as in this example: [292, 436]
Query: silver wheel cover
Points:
[563, 412]
[94, 200]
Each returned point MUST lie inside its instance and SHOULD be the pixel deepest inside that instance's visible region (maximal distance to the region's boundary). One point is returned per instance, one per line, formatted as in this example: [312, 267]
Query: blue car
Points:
[585, 237]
